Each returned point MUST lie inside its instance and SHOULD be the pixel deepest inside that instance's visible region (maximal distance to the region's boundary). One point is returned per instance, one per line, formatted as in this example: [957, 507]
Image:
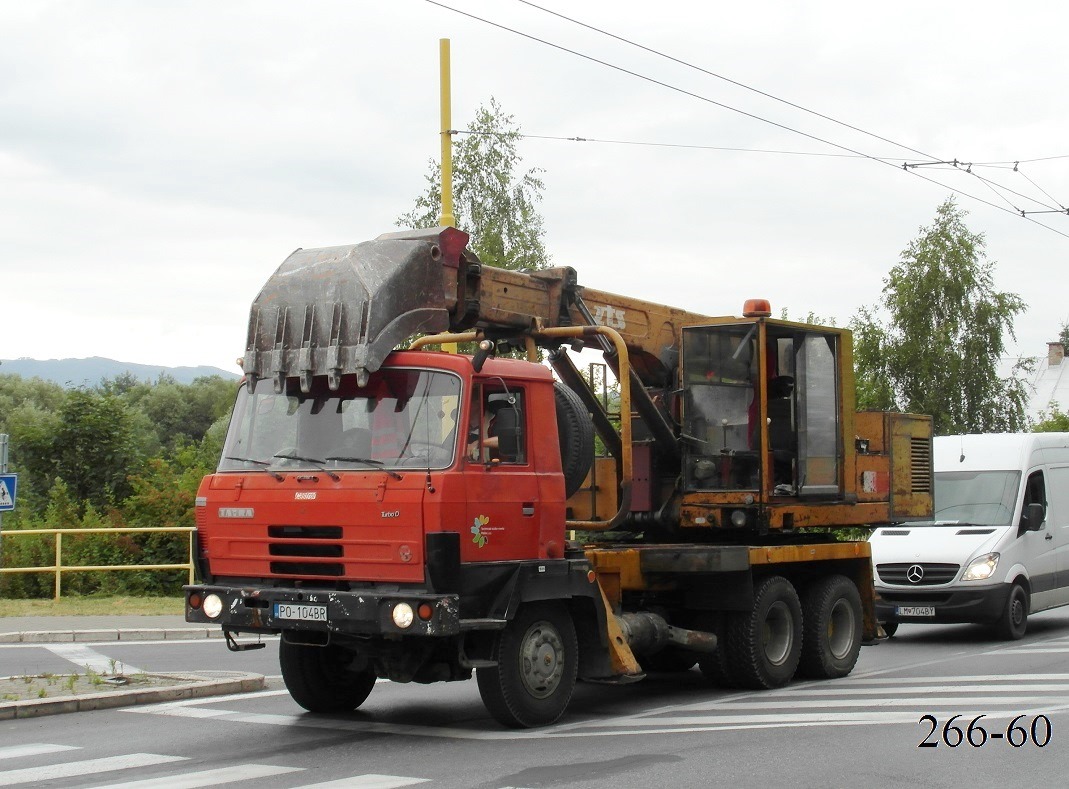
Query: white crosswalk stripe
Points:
[33, 749]
[86, 767]
[221, 775]
[84, 657]
[242, 773]
[369, 781]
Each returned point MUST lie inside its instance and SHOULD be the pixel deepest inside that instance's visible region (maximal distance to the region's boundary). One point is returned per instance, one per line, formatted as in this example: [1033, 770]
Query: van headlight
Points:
[981, 568]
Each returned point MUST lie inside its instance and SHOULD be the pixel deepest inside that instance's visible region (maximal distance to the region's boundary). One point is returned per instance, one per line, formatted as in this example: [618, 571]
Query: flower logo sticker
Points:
[479, 539]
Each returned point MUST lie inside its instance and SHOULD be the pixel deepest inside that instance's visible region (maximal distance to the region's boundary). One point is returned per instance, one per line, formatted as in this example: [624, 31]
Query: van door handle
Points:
[528, 509]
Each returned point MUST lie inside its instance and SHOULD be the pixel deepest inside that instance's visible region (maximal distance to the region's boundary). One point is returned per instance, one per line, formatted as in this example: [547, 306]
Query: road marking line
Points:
[34, 749]
[369, 781]
[221, 775]
[87, 767]
[82, 655]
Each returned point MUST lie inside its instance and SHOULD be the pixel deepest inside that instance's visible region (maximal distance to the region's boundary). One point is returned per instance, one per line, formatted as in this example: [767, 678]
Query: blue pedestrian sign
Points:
[8, 482]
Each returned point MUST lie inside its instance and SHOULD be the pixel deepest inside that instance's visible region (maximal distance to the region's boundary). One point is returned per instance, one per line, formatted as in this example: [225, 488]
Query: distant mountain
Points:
[73, 373]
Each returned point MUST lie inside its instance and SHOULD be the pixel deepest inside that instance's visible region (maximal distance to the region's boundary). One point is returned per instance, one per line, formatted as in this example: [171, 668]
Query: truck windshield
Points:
[983, 498]
[403, 418]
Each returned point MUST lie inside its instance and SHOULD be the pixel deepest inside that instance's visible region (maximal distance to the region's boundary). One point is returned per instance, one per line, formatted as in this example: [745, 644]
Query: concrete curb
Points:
[140, 634]
[215, 683]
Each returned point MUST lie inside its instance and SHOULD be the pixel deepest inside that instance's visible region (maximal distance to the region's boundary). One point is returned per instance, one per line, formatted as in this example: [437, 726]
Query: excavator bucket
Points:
[340, 310]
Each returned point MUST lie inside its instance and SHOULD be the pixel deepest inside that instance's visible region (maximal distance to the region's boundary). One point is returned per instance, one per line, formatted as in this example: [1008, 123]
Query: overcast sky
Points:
[159, 160]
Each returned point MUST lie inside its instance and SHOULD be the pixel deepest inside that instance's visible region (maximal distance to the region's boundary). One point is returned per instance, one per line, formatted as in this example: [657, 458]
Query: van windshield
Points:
[983, 498]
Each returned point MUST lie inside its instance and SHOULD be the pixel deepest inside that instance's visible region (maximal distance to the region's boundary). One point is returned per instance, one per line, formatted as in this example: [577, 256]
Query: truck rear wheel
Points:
[321, 679]
[537, 658]
[831, 628]
[765, 644]
[715, 666]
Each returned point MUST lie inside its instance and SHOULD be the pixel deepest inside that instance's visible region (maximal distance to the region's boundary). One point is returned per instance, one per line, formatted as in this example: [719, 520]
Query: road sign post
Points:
[3, 473]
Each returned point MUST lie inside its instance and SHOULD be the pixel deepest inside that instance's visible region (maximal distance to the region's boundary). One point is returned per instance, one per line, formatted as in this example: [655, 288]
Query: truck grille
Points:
[932, 573]
[306, 542]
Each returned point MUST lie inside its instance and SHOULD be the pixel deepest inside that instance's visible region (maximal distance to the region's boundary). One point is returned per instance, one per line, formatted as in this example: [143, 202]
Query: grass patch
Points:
[94, 606]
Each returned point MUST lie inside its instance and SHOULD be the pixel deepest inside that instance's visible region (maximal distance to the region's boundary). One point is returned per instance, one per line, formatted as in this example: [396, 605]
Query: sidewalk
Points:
[147, 689]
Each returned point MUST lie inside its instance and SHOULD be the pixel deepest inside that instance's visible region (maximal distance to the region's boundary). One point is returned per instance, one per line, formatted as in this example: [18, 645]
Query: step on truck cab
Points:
[396, 511]
[998, 546]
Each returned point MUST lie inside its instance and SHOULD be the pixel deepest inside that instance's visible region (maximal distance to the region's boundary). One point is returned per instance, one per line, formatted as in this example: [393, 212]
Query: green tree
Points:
[934, 344]
[92, 447]
[1053, 420]
[493, 200]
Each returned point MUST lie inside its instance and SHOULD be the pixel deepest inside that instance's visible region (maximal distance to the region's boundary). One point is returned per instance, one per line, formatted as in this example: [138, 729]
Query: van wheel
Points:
[1014, 620]
[765, 643]
[831, 633]
[321, 679]
[537, 658]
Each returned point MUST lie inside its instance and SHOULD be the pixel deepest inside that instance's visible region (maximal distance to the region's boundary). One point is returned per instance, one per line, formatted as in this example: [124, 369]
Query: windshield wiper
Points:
[367, 462]
[314, 461]
[262, 463]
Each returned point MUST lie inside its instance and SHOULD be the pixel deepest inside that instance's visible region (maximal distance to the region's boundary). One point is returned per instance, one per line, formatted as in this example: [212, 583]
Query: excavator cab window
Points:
[725, 425]
[719, 374]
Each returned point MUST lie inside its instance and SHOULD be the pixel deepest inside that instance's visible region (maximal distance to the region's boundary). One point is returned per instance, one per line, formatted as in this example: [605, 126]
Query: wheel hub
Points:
[541, 660]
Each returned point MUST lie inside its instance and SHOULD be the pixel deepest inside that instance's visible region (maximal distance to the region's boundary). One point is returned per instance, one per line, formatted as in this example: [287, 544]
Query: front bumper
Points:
[365, 613]
[980, 605]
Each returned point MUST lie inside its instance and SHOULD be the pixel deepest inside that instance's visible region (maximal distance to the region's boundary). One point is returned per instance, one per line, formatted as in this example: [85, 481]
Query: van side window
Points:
[1035, 493]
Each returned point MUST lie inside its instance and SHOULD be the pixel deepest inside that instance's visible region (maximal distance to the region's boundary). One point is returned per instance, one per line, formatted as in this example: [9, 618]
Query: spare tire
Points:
[575, 432]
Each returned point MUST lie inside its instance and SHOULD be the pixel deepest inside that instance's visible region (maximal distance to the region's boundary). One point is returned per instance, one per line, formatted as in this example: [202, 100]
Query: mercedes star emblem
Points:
[915, 574]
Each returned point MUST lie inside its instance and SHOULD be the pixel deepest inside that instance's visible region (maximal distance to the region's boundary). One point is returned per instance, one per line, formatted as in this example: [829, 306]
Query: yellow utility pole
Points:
[446, 219]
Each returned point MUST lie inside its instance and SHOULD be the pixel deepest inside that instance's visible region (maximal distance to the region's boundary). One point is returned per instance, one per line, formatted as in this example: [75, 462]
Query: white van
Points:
[998, 548]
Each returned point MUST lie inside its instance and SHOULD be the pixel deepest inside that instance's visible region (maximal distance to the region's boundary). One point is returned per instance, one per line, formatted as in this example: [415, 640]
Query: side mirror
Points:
[1034, 515]
[507, 427]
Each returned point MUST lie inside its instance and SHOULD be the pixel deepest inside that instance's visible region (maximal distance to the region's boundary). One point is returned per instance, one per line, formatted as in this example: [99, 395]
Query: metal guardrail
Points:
[59, 568]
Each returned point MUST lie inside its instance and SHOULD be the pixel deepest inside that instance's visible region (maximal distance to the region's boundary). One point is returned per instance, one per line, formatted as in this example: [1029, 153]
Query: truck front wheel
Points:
[537, 658]
[765, 644]
[322, 679]
[831, 635]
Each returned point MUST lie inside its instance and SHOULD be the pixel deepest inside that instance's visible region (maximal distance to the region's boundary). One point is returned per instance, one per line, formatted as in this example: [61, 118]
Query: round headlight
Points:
[402, 615]
[213, 606]
[738, 519]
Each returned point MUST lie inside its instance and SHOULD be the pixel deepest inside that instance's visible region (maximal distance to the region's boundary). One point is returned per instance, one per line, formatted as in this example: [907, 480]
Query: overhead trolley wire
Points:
[728, 107]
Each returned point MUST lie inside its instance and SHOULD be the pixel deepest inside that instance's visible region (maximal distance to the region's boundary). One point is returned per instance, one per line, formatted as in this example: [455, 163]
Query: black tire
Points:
[715, 667]
[537, 658]
[890, 628]
[575, 433]
[669, 659]
[765, 644]
[831, 628]
[321, 679]
[1014, 620]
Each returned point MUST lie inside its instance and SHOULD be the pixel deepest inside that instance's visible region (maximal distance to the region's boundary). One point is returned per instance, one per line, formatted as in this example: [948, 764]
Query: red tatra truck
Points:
[412, 514]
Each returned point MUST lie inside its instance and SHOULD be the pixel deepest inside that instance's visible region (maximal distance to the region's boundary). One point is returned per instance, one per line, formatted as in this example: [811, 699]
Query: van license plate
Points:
[306, 613]
[915, 610]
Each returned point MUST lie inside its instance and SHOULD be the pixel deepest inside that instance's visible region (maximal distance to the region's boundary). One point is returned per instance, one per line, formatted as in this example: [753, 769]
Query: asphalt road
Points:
[671, 730]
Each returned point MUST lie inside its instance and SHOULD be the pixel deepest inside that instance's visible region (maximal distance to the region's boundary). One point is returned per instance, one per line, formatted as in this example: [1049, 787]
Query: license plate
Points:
[915, 610]
[306, 613]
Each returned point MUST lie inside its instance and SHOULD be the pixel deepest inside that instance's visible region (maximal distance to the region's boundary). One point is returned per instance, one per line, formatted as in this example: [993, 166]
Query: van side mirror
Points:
[1034, 515]
[507, 427]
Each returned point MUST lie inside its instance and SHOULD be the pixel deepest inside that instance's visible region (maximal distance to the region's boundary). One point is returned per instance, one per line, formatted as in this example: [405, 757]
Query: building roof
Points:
[1051, 382]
